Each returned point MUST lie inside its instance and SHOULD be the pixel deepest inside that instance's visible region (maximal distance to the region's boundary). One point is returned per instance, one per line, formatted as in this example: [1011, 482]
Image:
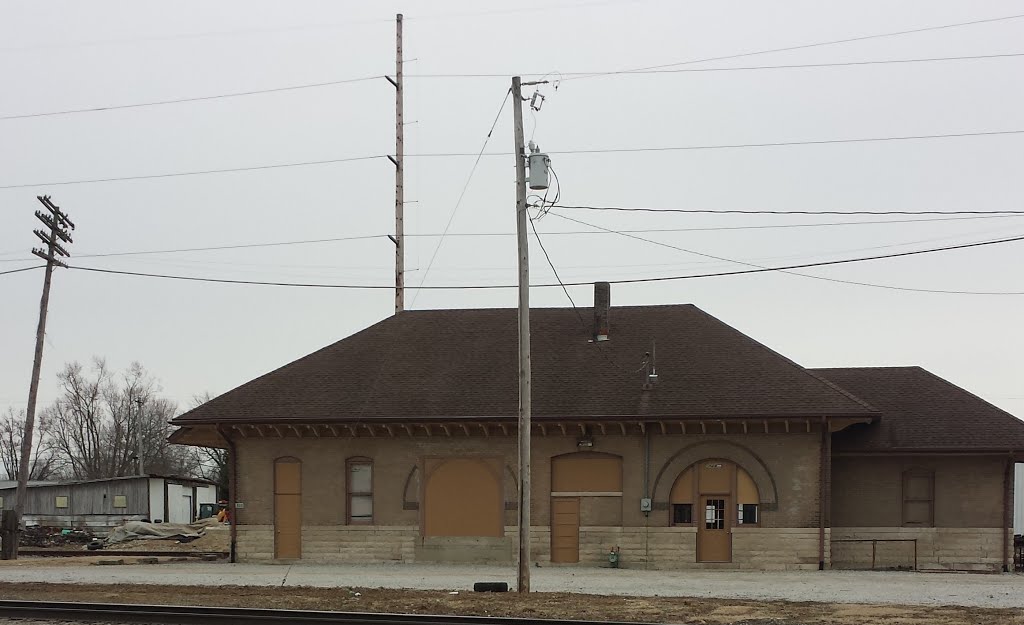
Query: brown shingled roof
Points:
[922, 411]
[463, 364]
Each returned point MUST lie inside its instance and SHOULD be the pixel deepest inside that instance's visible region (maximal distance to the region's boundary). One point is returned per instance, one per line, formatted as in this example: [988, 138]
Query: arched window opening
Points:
[681, 499]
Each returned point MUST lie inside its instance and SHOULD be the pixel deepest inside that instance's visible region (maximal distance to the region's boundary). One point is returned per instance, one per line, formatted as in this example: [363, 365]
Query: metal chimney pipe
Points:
[602, 310]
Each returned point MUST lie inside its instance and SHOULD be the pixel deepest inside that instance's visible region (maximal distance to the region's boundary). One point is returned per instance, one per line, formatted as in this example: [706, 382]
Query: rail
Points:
[199, 615]
[874, 545]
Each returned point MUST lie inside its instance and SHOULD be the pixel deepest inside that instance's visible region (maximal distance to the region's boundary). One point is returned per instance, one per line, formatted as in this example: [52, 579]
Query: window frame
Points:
[672, 514]
[57, 499]
[349, 494]
[906, 476]
[122, 499]
[739, 515]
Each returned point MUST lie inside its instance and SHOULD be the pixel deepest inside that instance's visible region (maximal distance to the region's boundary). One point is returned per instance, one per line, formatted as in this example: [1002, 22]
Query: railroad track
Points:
[197, 615]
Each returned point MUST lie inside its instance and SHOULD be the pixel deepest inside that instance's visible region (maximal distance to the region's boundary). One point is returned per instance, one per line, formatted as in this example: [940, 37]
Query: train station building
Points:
[658, 431]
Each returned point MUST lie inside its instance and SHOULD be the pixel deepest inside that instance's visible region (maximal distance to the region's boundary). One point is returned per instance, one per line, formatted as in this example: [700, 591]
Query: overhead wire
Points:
[236, 94]
[804, 46]
[480, 155]
[747, 68]
[754, 270]
[510, 234]
[329, 83]
[788, 269]
[462, 194]
[718, 211]
[4, 273]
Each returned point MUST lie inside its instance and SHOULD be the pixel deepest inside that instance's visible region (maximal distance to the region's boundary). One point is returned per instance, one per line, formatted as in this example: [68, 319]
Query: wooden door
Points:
[565, 529]
[288, 509]
[716, 483]
[714, 538]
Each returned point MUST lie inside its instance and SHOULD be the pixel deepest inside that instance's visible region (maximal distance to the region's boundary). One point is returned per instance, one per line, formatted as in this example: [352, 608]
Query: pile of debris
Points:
[41, 536]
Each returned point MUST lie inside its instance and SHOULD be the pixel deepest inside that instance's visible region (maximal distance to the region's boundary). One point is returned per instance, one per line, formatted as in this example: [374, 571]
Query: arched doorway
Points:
[715, 496]
[288, 508]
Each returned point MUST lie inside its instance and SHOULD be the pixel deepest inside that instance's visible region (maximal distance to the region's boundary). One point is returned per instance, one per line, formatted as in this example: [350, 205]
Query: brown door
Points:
[565, 529]
[288, 509]
[714, 538]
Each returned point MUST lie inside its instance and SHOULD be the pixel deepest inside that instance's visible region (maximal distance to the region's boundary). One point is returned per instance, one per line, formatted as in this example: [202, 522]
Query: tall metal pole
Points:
[56, 222]
[523, 576]
[399, 171]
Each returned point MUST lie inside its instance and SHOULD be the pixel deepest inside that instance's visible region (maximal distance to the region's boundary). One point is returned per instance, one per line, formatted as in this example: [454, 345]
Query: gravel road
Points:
[973, 590]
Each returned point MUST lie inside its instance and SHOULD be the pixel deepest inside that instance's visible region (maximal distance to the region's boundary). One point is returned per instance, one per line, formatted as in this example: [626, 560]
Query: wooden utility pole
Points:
[139, 437]
[398, 161]
[58, 224]
[523, 575]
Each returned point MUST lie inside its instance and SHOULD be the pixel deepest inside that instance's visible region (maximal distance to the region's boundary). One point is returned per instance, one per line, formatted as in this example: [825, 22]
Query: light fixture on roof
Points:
[650, 369]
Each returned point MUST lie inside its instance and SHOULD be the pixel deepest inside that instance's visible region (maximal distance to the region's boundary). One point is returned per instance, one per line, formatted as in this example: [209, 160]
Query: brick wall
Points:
[867, 490]
[791, 460]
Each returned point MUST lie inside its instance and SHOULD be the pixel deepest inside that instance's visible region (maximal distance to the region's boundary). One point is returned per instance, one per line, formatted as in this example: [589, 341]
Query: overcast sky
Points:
[197, 337]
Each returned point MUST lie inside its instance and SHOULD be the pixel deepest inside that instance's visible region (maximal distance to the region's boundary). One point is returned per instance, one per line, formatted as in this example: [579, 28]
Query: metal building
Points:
[102, 504]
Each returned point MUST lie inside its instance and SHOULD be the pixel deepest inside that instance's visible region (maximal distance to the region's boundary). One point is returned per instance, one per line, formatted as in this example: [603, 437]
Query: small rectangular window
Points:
[61, 501]
[360, 491]
[120, 501]
[682, 513]
[746, 513]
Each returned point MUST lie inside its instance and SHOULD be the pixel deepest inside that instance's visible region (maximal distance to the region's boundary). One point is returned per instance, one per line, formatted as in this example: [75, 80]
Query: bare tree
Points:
[101, 419]
[43, 463]
[211, 462]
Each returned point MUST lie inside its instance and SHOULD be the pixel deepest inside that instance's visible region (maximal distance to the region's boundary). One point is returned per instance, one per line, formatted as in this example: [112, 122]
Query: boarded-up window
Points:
[463, 497]
[360, 490]
[918, 498]
[120, 501]
[586, 472]
[61, 501]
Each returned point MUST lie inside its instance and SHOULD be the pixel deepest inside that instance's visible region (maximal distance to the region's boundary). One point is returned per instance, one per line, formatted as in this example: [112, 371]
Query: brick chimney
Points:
[602, 310]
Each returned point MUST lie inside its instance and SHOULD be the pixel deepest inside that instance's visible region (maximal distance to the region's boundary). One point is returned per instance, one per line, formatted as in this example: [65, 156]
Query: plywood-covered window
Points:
[360, 490]
[120, 501]
[61, 501]
[463, 497]
[918, 498]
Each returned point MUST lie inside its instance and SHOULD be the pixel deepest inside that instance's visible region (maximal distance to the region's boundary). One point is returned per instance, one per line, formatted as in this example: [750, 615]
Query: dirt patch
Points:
[535, 605]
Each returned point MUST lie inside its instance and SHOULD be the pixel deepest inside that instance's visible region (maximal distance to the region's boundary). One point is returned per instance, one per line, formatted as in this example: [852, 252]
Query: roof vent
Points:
[602, 308]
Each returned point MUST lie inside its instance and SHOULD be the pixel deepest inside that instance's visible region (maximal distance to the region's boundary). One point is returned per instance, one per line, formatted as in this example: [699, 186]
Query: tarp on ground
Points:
[133, 530]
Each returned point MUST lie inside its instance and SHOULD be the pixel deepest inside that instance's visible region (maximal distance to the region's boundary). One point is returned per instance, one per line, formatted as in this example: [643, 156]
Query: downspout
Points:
[1007, 497]
[647, 495]
[825, 461]
[232, 492]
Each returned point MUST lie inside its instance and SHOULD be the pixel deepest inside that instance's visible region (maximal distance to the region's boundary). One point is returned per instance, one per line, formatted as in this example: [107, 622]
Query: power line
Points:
[329, 83]
[3, 273]
[560, 152]
[761, 269]
[510, 234]
[462, 194]
[633, 209]
[748, 68]
[804, 46]
[197, 173]
[623, 281]
[236, 94]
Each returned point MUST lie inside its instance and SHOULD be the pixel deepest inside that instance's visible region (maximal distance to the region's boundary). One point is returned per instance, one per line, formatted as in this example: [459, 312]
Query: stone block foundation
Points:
[938, 548]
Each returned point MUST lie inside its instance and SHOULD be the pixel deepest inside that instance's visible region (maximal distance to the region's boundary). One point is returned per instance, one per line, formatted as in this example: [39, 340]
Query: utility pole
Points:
[398, 161]
[59, 225]
[523, 574]
[138, 428]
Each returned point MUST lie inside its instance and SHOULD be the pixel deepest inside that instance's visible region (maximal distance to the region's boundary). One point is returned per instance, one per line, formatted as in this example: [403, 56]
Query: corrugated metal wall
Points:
[86, 498]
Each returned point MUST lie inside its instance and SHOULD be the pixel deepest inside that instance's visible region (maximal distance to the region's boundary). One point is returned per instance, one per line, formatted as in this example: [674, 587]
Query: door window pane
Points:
[714, 514]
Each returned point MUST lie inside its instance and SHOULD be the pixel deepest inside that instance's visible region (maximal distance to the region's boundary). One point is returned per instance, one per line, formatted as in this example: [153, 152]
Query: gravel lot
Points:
[926, 589]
